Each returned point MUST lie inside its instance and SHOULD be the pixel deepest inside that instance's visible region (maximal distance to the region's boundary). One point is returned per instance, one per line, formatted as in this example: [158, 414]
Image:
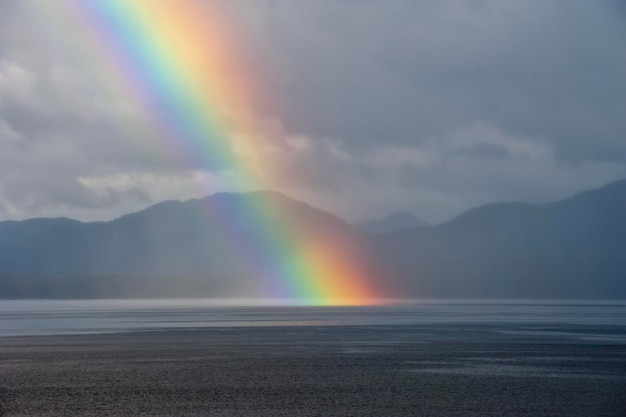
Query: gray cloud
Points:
[380, 105]
[404, 70]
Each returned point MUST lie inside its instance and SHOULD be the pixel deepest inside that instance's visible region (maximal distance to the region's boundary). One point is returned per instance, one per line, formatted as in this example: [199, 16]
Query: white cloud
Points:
[441, 176]
[480, 134]
[16, 83]
[7, 133]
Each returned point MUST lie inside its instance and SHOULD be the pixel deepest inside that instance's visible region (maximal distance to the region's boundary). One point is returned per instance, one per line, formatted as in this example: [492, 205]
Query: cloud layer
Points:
[377, 106]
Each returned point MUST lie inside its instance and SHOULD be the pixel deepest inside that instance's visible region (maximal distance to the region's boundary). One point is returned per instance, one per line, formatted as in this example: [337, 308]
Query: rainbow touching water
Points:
[181, 62]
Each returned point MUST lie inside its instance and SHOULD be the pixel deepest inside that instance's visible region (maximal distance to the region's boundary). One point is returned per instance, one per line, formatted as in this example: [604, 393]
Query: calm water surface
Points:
[62, 317]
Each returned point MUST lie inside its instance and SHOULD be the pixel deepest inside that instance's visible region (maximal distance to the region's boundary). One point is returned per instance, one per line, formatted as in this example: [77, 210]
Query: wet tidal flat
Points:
[431, 369]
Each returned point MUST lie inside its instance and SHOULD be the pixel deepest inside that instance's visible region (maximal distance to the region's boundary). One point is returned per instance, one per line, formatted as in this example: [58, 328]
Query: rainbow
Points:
[182, 63]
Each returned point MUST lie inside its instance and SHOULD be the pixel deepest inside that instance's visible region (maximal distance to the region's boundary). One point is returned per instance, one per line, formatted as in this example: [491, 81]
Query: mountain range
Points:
[393, 222]
[201, 247]
[574, 248]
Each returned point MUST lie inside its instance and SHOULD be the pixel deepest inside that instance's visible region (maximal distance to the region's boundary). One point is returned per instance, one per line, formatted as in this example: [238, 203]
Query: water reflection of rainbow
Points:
[182, 61]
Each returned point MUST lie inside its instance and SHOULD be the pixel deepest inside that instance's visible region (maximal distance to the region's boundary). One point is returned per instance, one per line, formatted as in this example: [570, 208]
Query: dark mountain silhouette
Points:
[575, 248]
[200, 247]
[391, 223]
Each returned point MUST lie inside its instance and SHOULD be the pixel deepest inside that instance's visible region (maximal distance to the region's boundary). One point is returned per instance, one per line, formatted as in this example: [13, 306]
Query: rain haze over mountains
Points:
[572, 248]
[400, 125]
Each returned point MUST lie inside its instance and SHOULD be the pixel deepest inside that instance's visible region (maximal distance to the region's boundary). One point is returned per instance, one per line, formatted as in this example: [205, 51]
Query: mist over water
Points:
[63, 317]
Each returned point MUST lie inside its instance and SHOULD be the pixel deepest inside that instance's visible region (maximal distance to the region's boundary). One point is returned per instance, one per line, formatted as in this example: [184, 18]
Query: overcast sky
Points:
[433, 107]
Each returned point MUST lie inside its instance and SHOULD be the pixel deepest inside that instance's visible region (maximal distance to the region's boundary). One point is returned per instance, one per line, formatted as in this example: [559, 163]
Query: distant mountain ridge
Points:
[574, 248]
[173, 248]
[391, 223]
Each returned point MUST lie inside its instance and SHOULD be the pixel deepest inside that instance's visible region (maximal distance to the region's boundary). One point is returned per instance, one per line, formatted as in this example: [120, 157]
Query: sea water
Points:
[583, 320]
